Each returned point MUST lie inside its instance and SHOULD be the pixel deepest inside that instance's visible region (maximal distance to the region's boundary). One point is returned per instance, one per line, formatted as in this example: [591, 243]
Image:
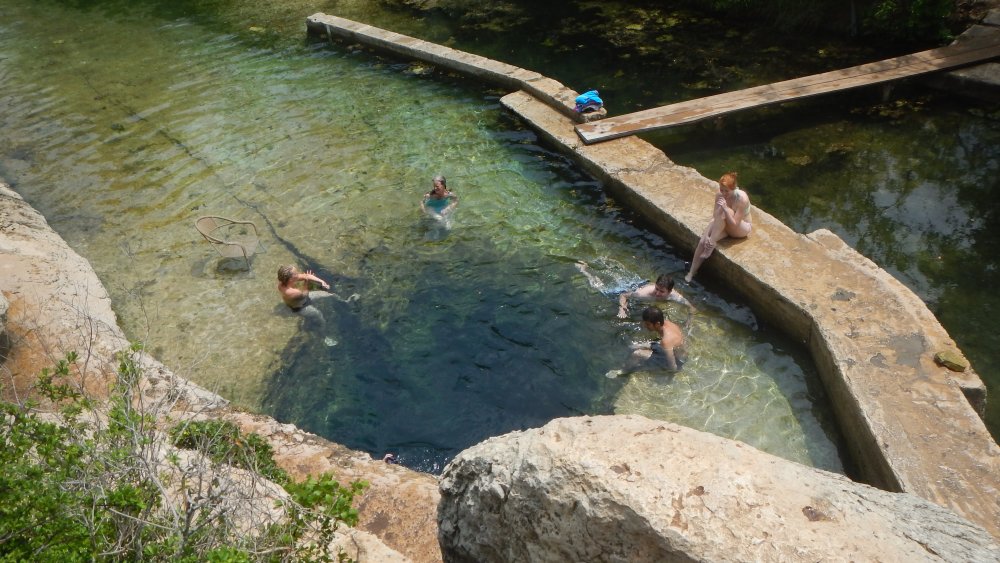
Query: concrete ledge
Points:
[978, 81]
[912, 426]
[482, 68]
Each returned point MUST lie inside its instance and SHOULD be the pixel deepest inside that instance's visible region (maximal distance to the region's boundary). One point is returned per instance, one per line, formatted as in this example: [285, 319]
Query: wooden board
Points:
[952, 56]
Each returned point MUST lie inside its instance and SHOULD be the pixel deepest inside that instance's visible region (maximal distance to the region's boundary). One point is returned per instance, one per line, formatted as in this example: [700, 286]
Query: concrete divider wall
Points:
[911, 425]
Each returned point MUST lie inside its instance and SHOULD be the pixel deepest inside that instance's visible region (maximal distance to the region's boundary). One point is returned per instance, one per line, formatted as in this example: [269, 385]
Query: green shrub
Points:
[81, 487]
[223, 442]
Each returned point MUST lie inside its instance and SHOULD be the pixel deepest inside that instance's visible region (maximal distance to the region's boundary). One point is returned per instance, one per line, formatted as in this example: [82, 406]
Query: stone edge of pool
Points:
[52, 302]
[910, 424]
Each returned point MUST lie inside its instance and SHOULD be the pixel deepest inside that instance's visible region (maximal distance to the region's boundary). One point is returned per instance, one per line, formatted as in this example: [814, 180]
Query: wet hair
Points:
[440, 178]
[666, 281]
[285, 274]
[729, 180]
[652, 315]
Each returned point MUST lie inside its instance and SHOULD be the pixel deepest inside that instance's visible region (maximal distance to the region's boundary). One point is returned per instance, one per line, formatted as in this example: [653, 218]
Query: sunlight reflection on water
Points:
[460, 333]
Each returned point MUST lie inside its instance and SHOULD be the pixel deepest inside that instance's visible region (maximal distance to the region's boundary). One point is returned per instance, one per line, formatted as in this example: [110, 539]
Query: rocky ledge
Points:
[626, 488]
[52, 302]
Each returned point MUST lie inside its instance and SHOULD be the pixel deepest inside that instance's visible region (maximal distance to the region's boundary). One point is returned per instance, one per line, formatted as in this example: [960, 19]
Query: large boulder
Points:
[627, 488]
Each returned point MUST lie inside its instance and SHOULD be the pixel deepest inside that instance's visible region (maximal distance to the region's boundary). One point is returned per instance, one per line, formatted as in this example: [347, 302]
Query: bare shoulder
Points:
[646, 290]
[672, 335]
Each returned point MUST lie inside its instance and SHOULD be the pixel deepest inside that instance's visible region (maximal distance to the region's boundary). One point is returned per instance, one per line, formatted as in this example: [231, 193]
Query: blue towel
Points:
[589, 97]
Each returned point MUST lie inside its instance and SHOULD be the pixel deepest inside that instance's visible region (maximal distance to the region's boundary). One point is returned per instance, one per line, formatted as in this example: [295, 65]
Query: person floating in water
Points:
[440, 201]
[662, 290]
[731, 218]
[667, 352]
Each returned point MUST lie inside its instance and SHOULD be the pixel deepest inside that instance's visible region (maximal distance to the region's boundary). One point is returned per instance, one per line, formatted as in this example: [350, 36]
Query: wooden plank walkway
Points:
[942, 58]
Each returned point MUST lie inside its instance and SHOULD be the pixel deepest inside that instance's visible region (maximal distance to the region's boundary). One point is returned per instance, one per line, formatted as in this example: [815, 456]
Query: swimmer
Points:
[731, 218]
[662, 290]
[293, 286]
[665, 352]
[440, 201]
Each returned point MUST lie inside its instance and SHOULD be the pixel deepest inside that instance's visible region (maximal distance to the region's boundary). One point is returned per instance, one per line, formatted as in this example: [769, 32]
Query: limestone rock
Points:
[952, 360]
[587, 117]
[630, 489]
[364, 547]
[399, 506]
[57, 304]
[4, 341]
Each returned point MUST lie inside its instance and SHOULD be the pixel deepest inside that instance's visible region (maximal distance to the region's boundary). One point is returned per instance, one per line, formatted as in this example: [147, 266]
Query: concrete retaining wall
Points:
[911, 425]
[981, 80]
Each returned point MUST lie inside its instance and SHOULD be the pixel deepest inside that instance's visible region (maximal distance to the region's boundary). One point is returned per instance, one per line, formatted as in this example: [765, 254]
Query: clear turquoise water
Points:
[910, 180]
[123, 125]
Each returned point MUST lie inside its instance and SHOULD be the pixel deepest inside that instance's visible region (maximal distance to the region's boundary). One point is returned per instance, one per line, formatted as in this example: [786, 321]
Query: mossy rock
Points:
[952, 360]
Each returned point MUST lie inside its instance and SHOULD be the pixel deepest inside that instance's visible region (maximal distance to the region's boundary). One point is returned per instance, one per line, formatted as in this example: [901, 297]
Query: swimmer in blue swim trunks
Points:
[665, 353]
[439, 202]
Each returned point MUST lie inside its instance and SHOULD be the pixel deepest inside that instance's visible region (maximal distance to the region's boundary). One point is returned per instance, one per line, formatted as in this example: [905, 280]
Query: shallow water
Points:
[914, 190]
[908, 177]
[123, 126]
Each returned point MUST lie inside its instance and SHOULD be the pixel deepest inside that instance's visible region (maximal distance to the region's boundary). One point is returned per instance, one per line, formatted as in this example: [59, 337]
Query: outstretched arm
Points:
[309, 276]
[623, 304]
[676, 297]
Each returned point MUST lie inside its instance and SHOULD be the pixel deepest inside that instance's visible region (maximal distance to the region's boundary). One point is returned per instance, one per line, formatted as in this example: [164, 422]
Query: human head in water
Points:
[285, 274]
[653, 316]
[664, 285]
[439, 179]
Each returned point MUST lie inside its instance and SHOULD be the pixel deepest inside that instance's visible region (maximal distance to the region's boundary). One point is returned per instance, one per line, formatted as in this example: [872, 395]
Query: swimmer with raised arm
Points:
[661, 290]
[730, 218]
[293, 286]
[440, 201]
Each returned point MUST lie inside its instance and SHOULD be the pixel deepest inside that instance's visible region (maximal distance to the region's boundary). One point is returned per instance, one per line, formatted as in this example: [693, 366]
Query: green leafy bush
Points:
[223, 442]
[86, 483]
[884, 20]
[910, 20]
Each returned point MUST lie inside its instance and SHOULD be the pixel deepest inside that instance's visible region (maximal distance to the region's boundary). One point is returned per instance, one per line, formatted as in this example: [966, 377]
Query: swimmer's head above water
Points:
[652, 315]
[664, 285]
[440, 184]
[285, 274]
